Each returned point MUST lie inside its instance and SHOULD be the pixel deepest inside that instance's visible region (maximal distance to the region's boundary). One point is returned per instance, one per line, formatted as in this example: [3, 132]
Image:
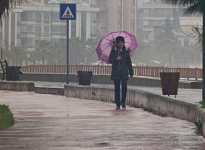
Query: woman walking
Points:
[121, 68]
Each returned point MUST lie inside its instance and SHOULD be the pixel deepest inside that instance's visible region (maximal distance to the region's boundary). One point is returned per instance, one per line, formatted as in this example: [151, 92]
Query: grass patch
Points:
[198, 127]
[202, 105]
[134, 105]
[6, 117]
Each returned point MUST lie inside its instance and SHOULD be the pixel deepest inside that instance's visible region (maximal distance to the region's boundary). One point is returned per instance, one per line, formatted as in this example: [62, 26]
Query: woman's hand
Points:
[113, 47]
[128, 49]
[118, 58]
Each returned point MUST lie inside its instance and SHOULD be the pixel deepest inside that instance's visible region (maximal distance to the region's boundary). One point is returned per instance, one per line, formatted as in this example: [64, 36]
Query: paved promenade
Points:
[50, 122]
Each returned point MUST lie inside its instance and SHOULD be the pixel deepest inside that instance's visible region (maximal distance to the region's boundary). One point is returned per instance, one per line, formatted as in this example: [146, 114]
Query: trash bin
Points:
[12, 73]
[169, 83]
[84, 77]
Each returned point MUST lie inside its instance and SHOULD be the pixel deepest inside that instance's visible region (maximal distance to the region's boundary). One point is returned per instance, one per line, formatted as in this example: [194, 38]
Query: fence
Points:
[187, 73]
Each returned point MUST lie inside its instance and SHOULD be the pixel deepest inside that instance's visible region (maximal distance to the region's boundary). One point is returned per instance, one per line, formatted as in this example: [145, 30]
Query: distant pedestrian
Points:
[121, 68]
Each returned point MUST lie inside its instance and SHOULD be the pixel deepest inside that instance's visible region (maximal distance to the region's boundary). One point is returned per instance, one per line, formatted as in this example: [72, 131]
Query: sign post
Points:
[67, 12]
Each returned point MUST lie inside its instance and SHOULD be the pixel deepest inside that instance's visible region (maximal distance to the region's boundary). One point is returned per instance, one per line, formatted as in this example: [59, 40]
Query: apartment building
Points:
[39, 20]
[152, 15]
[116, 15]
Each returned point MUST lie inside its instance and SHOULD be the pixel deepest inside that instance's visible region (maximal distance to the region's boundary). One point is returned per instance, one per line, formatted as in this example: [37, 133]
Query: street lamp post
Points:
[1, 53]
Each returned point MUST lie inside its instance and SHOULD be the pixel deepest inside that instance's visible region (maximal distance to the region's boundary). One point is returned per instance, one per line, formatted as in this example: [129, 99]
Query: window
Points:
[30, 42]
[23, 28]
[101, 14]
[119, 2]
[146, 12]
[191, 43]
[145, 36]
[30, 28]
[146, 23]
[103, 27]
[156, 23]
[132, 27]
[37, 42]
[23, 16]
[38, 31]
[38, 18]
[46, 31]
[132, 15]
[155, 13]
[119, 14]
[133, 3]
[119, 27]
[46, 18]
[165, 12]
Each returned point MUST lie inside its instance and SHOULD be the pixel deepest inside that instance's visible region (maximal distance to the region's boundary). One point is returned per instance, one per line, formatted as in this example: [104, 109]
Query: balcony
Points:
[38, 34]
[101, 33]
[46, 20]
[46, 34]
[103, 8]
[102, 20]
[156, 5]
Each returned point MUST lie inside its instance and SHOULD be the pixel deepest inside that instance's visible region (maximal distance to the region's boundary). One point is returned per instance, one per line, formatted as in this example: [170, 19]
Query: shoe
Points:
[123, 106]
[117, 107]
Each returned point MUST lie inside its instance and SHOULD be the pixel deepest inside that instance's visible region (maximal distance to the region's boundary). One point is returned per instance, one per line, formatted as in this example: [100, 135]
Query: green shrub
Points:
[202, 104]
[134, 105]
[6, 117]
[198, 127]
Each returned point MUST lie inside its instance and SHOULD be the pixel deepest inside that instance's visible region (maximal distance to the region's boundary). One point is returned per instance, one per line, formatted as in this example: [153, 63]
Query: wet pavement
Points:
[52, 122]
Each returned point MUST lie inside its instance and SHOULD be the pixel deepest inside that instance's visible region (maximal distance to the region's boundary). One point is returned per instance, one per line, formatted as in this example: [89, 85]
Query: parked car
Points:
[98, 63]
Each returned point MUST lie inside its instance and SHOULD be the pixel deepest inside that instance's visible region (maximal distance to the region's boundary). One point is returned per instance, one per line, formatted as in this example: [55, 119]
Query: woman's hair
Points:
[120, 39]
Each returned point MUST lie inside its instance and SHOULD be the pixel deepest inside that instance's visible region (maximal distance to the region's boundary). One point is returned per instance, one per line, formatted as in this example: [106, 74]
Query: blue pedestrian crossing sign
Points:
[67, 11]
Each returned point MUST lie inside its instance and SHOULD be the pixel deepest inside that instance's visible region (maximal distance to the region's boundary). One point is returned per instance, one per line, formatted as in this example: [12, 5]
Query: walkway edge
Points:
[157, 104]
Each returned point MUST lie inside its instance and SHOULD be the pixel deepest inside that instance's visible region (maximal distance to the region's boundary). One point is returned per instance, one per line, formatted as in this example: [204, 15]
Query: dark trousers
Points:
[117, 91]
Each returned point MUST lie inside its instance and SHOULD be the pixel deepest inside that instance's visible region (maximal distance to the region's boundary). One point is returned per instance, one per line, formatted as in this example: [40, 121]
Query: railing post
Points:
[187, 74]
[98, 68]
[196, 74]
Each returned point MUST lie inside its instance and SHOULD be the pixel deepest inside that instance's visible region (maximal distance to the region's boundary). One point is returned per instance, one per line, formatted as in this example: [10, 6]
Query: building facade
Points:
[153, 13]
[116, 15]
[35, 21]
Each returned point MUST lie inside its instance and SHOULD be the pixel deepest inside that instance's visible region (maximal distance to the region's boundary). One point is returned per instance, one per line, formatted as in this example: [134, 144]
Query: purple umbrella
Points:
[105, 45]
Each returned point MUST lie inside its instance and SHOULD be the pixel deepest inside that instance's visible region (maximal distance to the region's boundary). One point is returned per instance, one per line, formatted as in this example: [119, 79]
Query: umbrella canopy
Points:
[105, 45]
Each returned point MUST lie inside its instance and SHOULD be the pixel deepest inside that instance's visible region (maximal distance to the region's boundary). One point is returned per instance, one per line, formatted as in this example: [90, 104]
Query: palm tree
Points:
[6, 5]
[194, 7]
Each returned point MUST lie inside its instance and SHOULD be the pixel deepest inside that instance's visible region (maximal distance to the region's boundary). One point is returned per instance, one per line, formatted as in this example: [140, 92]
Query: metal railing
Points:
[187, 73]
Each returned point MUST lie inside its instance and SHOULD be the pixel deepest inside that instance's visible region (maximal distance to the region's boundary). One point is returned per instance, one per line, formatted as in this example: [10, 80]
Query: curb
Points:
[46, 90]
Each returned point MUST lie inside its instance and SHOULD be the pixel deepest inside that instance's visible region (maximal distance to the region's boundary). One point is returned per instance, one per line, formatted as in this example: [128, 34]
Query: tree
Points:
[194, 7]
[16, 55]
[167, 43]
[60, 52]
[144, 51]
[43, 50]
[77, 50]
[91, 54]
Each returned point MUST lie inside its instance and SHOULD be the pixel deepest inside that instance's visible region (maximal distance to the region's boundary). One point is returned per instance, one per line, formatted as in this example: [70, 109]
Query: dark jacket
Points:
[126, 64]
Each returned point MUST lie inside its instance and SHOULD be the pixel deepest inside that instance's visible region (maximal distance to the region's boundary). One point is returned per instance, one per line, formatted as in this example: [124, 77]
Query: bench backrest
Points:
[4, 64]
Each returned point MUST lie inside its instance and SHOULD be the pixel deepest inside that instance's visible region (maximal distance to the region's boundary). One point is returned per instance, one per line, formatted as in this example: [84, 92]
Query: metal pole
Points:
[67, 51]
[1, 53]
[203, 58]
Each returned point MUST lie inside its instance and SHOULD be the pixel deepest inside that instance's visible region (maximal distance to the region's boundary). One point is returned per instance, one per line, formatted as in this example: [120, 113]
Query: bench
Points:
[10, 73]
